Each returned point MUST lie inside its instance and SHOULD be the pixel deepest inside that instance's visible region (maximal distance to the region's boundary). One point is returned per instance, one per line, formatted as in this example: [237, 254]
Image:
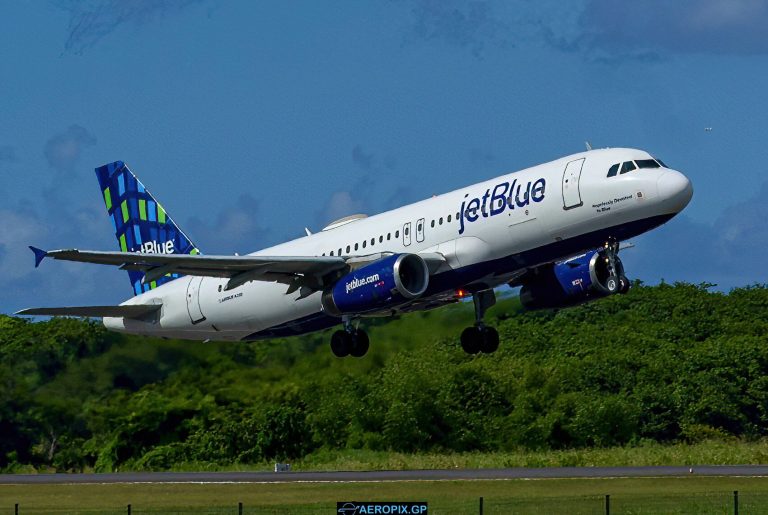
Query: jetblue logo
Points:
[498, 199]
[153, 247]
[356, 283]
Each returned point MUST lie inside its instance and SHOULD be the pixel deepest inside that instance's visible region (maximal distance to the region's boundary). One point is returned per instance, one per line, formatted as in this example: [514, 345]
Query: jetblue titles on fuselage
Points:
[501, 196]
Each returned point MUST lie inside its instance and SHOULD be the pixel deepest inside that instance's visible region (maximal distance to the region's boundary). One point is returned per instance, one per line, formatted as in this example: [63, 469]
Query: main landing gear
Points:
[349, 341]
[481, 338]
[616, 282]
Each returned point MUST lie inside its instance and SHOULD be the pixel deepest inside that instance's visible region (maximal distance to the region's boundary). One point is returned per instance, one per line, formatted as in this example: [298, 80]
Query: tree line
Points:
[667, 363]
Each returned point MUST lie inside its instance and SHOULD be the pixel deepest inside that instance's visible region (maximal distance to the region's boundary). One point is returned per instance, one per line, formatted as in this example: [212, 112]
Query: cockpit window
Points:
[628, 166]
[647, 163]
[613, 170]
[661, 163]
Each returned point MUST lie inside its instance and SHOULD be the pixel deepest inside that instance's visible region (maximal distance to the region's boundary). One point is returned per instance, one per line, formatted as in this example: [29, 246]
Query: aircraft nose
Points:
[675, 189]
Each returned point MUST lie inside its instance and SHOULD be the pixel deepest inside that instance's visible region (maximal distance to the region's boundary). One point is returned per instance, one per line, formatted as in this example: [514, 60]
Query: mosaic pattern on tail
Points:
[141, 223]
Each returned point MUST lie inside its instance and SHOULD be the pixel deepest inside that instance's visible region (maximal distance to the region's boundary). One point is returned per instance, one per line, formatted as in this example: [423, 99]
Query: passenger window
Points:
[432, 224]
[449, 218]
[647, 163]
[356, 246]
[331, 253]
[458, 215]
[373, 241]
[348, 249]
[323, 253]
[406, 230]
[628, 167]
[364, 242]
[612, 171]
[388, 235]
[397, 233]
[441, 221]
[381, 239]
[339, 252]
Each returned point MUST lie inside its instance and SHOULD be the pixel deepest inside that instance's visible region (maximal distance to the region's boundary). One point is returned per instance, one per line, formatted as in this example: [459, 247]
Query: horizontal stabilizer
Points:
[127, 311]
[40, 254]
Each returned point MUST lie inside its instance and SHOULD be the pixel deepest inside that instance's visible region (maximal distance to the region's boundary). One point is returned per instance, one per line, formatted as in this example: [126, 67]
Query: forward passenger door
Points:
[571, 176]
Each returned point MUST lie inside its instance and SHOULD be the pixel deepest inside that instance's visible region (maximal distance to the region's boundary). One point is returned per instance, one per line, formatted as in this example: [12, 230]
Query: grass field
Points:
[573, 496]
[711, 452]
[649, 454]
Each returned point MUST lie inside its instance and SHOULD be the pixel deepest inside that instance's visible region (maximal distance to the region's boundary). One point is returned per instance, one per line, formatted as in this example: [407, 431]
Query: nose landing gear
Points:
[481, 338]
[616, 282]
[349, 341]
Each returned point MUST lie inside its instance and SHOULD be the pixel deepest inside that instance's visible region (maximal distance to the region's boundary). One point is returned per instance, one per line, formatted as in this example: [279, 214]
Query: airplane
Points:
[554, 230]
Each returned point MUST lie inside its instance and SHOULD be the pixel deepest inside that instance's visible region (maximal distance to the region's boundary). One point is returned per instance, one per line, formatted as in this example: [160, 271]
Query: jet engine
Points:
[379, 286]
[573, 281]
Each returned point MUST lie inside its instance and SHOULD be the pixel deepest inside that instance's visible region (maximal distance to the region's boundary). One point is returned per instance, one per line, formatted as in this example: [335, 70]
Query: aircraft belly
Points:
[254, 306]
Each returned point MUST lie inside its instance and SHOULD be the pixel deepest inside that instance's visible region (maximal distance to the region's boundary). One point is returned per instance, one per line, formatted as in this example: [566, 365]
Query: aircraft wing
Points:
[294, 270]
[126, 311]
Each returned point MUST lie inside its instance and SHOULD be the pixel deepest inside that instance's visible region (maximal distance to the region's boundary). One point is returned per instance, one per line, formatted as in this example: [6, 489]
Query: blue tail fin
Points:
[141, 224]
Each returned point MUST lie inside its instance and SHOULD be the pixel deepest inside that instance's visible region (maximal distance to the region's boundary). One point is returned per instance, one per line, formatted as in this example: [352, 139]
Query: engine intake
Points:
[382, 285]
[573, 281]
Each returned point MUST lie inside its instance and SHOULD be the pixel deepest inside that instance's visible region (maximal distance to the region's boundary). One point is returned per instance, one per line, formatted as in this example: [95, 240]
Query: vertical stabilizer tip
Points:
[39, 255]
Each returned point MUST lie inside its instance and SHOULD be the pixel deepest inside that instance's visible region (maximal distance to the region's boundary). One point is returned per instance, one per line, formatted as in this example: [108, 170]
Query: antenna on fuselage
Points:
[588, 144]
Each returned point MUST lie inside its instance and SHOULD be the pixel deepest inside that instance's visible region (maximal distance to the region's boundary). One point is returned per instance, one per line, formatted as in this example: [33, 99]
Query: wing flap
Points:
[125, 311]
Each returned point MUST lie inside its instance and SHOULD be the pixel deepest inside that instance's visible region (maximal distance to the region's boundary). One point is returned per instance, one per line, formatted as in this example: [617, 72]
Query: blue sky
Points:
[252, 120]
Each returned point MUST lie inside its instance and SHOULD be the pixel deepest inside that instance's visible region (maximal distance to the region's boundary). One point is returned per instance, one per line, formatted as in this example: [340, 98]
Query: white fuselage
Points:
[486, 232]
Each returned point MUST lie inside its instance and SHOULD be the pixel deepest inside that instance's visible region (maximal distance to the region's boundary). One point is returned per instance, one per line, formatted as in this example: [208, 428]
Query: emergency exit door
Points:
[420, 230]
[407, 233]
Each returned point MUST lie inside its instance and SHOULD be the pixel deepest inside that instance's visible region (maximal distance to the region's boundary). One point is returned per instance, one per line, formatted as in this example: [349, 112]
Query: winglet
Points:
[40, 254]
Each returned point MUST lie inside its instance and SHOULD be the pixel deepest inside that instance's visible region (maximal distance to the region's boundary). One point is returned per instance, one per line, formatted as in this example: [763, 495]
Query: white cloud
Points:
[695, 26]
[17, 231]
[63, 150]
[236, 228]
[729, 252]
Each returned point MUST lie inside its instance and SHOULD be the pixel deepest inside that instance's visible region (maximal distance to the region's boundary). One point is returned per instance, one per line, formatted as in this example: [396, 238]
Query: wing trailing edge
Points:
[125, 311]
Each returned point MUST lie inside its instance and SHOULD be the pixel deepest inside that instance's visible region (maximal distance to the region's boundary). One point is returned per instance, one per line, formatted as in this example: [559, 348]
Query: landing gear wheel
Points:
[360, 344]
[341, 343]
[612, 284]
[490, 340]
[616, 282]
[471, 340]
[480, 338]
[623, 284]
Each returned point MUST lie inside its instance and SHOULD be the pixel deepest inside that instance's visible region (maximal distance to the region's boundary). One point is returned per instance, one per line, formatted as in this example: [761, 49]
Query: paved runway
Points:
[390, 475]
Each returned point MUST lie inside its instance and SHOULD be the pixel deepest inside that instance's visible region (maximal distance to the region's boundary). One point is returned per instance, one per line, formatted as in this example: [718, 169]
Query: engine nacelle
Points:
[381, 285]
[569, 282]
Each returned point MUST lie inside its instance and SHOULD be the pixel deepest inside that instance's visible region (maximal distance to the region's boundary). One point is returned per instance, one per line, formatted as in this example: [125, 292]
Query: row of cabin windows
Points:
[357, 246]
[447, 220]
